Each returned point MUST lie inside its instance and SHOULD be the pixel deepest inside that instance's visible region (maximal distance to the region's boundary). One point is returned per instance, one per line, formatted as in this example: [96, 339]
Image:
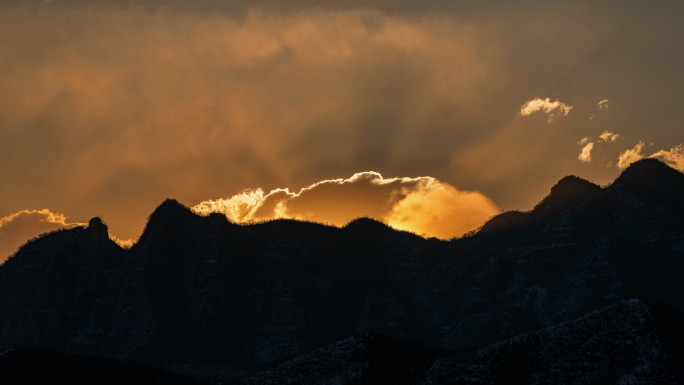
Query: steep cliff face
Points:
[202, 295]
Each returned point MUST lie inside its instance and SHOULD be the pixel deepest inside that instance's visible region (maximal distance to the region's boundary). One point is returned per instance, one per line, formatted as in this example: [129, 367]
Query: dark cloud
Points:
[399, 6]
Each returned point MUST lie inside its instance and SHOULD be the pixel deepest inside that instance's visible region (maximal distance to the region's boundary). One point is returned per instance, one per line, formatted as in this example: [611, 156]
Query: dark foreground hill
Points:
[204, 297]
[629, 342]
[44, 367]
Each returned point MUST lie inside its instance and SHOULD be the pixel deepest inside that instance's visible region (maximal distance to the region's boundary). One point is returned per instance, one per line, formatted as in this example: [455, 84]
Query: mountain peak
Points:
[567, 192]
[647, 165]
[503, 221]
[168, 212]
[171, 203]
[96, 224]
[572, 184]
[365, 223]
[647, 170]
[97, 230]
[170, 207]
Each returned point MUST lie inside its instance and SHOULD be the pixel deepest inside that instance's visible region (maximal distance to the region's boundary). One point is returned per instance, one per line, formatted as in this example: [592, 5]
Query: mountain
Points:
[364, 359]
[626, 342]
[207, 298]
[34, 366]
[629, 342]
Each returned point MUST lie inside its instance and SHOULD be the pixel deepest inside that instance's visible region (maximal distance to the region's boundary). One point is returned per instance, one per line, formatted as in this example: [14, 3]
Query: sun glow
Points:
[422, 205]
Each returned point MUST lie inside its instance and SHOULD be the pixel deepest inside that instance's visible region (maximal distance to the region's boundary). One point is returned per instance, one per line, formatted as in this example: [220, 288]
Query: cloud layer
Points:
[110, 106]
[422, 205]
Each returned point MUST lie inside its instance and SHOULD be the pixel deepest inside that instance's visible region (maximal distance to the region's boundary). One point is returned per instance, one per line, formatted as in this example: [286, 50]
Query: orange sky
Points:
[107, 108]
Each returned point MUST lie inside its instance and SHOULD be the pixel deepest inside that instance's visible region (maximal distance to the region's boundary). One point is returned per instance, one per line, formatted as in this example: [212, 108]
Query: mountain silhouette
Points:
[566, 194]
[210, 299]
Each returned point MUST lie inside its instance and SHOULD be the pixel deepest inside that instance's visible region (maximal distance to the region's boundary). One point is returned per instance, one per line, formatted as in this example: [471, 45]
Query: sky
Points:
[431, 116]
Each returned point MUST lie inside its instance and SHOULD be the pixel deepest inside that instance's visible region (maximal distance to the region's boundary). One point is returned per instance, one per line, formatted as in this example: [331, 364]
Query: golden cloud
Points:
[630, 155]
[585, 154]
[124, 243]
[441, 211]
[423, 205]
[608, 136]
[140, 103]
[18, 227]
[584, 140]
[552, 110]
[674, 157]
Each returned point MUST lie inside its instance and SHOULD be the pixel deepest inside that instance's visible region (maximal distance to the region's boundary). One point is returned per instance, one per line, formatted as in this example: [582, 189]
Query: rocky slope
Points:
[629, 342]
[203, 296]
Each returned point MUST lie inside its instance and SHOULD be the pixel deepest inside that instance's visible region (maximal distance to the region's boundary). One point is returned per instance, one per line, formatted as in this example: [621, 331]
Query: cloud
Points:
[238, 208]
[441, 211]
[603, 105]
[588, 145]
[630, 156]
[585, 154]
[674, 157]
[403, 7]
[584, 140]
[608, 136]
[287, 97]
[124, 243]
[552, 110]
[149, 99]
[19, 227]
[423, 205]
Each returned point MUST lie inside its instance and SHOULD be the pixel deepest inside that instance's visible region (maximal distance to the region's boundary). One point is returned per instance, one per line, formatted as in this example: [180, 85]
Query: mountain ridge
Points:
[568, 189]
[204, 297]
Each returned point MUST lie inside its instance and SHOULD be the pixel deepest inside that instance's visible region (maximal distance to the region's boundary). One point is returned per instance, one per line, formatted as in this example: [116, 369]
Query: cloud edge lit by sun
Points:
[422, 205]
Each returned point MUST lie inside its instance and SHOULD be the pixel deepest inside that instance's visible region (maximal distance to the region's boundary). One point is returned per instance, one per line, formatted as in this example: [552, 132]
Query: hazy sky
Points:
[108, 107]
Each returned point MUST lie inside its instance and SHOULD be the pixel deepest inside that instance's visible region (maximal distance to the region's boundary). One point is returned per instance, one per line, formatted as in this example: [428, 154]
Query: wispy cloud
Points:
[584, 140]
[630, 155]
[585, 154]
[423, 205]
[608, 136]
[674, 157]
[589, 144]
[552, 109]
[44, 216]
[125, 243]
